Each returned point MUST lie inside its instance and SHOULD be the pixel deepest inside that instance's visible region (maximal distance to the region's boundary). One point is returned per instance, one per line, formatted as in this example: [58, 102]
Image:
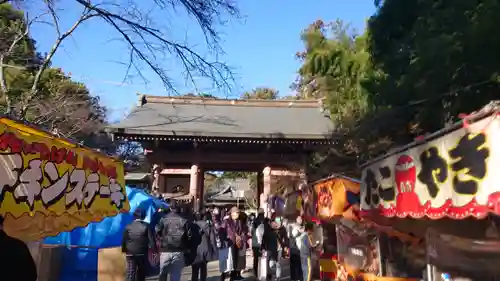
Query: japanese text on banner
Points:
[449, 176]
[46, 175]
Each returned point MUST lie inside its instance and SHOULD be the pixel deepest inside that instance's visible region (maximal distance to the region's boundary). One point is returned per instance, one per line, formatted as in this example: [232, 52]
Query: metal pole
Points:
[379, 250]
[429, 267]
[337, 233]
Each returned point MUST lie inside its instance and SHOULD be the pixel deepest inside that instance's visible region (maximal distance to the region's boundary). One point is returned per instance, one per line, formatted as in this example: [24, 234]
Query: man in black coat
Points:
[178, 243]
[138, 238]
[207, 250]
[16, 262]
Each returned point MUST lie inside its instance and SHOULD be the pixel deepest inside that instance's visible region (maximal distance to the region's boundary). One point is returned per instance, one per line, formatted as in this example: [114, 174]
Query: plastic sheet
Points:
[108, 233]
[80, 264]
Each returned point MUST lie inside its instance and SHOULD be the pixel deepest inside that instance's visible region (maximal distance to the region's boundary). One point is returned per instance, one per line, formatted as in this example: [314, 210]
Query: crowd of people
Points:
[182, 238]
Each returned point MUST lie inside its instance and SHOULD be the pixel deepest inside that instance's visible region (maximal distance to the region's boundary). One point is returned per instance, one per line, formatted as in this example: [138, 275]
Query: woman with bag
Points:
[207, 250]
[242, 259]
[225, 264]
[234, 242]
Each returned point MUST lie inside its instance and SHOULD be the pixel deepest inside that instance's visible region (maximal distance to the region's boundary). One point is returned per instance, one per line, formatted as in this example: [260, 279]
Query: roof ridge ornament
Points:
[142, 100]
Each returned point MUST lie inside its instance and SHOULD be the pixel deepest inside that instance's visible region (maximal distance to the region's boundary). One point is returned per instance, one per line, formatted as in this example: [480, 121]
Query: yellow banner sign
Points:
[49, 185]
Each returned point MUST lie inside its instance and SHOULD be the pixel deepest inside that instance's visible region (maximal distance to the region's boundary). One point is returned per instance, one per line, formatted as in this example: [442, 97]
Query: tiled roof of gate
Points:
[276, 119]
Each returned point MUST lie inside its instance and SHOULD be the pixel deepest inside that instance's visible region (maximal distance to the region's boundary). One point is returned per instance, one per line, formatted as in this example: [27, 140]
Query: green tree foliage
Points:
[335, 63]
[201, 95]
[148, 41]
[62, 105]
[438, 59]
[335, 66]
[18, 57]
[261, 93]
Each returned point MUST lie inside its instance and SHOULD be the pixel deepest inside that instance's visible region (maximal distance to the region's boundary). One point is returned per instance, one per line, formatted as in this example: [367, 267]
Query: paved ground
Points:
[214, 273]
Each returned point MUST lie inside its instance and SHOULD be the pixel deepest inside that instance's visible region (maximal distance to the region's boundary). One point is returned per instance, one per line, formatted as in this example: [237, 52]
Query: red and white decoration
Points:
[392, 186]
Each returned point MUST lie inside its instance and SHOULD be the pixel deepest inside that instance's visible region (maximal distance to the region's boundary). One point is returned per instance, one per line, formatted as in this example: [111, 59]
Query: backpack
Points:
[175, 233]
[194, 235]
[193, 239]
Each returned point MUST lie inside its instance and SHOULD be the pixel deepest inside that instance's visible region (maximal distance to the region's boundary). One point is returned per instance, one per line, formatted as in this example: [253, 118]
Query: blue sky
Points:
[261, 48]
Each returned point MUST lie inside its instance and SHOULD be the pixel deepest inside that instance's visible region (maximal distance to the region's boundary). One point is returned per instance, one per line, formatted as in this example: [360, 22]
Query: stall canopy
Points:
[108, 233]
[51, 185]
[337, 196]
[448, 174]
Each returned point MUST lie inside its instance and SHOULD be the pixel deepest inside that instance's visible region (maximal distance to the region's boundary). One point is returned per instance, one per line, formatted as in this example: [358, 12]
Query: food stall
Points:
[335, 198]
[442, 189]
[351, 247]
[51, 185]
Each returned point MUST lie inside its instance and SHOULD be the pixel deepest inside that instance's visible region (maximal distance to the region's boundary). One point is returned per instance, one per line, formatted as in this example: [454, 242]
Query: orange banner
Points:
[332, 196]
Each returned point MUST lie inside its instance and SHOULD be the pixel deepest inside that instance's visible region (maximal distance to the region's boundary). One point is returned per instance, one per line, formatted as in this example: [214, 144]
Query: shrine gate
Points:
[185, 136]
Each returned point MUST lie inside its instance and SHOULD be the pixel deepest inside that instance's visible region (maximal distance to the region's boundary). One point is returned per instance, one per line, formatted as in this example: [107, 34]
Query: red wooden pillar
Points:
[200, 196]
[260, 188]
[194, 184]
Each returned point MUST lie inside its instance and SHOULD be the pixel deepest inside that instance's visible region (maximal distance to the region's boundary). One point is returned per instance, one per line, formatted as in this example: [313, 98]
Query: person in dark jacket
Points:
[207, 250]
[137, 240]
[16, 262]
[256, 246]
[176, 240]
[274, 243]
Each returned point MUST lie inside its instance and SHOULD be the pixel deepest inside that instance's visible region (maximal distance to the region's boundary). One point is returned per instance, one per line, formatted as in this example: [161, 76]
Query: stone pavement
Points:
[214, 273]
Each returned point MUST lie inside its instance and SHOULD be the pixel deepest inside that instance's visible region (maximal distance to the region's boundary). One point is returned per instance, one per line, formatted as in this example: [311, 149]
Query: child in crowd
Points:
[306, 247]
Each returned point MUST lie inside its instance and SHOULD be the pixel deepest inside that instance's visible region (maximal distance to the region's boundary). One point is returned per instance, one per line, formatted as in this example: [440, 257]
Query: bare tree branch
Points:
[60, 38]
[53, 107]
[192, 62]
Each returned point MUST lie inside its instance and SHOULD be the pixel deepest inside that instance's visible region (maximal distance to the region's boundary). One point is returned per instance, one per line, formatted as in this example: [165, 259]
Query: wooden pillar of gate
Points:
[266, 189]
